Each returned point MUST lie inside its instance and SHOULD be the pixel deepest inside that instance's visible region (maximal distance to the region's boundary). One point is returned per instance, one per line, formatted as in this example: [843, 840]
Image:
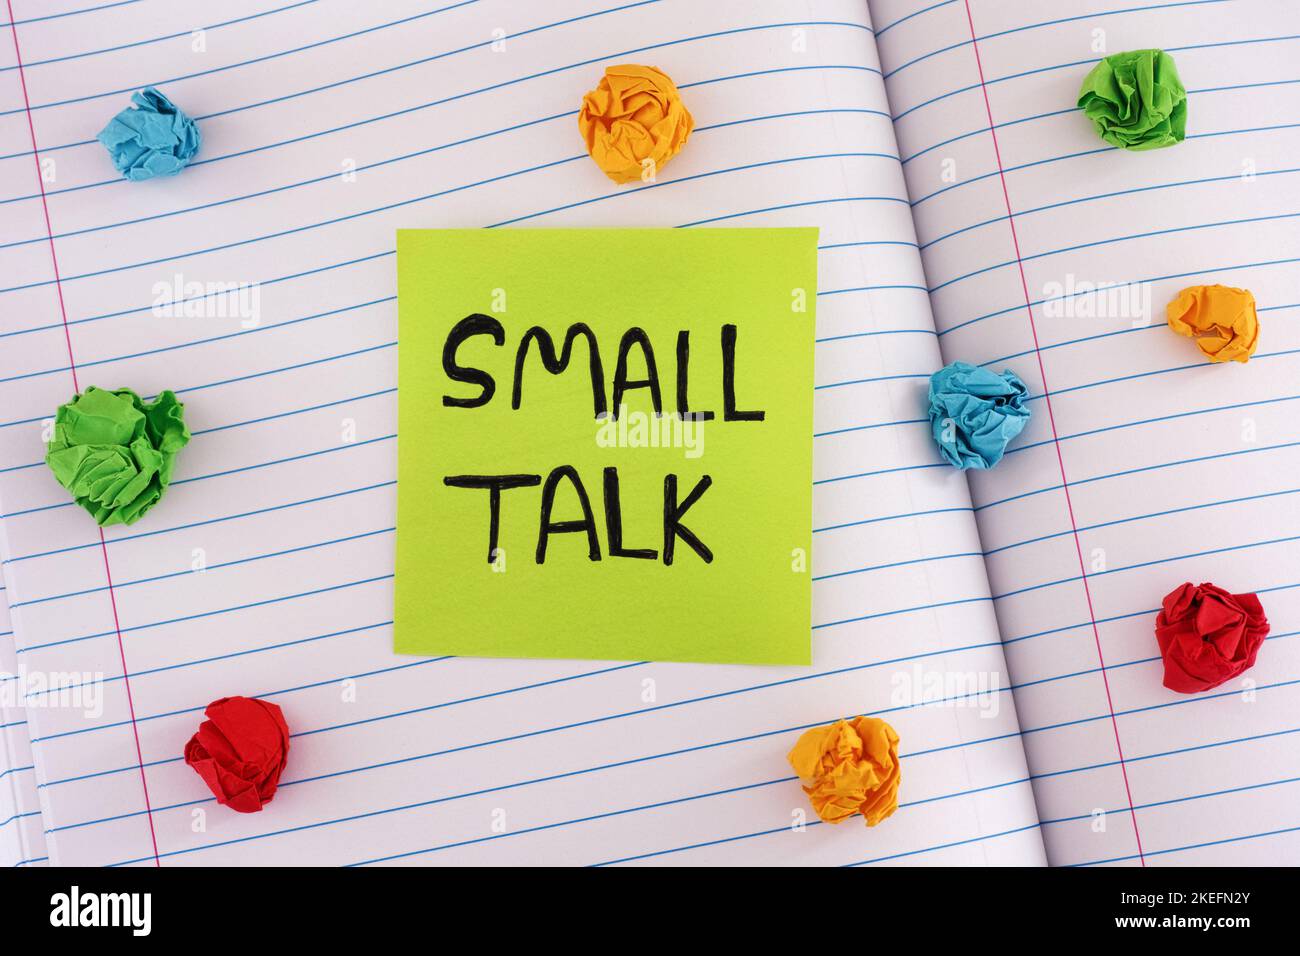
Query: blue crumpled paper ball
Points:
[974, 413]
[154, 139]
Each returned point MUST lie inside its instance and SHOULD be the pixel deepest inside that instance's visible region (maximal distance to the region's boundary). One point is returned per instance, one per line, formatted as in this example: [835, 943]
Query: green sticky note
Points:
[544, 508]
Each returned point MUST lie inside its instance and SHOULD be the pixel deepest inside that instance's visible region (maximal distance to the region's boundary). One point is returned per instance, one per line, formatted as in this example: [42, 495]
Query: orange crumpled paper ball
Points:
[852, 766]
[633, 122]
[1220, 319]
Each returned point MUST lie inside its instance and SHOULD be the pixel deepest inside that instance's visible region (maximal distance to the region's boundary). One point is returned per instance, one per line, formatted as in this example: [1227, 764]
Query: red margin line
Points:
[67, 337]
[1056, 442]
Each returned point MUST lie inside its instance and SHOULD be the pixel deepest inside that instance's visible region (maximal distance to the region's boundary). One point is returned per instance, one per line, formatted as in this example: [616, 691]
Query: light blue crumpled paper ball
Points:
[974, 413]
[154, 139]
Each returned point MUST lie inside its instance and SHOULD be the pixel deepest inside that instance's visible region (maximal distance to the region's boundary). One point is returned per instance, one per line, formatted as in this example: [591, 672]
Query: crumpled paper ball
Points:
[155, 138]
[240, 751]
[849, 767]
[1208, 636]
[974, 413]
[115, 453]
[633, 122]
[1220, 319]
[1136, 100]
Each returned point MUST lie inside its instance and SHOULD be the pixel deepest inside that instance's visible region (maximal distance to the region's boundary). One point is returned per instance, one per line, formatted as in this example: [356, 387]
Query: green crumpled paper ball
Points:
[115, 453]
[1136, 100]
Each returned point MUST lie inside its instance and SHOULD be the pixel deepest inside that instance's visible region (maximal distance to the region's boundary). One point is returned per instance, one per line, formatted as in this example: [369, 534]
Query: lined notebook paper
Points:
[327, 126]
[1001, 622]
[1175, 469]
[22, 834]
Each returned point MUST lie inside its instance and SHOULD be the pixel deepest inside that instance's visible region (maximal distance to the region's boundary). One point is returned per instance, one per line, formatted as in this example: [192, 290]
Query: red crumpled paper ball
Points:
[240, 751]
[1208, 636]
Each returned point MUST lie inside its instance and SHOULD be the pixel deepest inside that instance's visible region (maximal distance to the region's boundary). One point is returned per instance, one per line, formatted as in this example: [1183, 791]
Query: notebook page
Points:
[1177, 470]
[22, 837]
[399, 759]
[22, 840]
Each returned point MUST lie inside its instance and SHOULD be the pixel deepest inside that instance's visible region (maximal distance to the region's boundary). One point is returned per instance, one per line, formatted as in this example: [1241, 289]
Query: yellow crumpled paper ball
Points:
[1219, 318]
[633, 122]
[852, 767]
